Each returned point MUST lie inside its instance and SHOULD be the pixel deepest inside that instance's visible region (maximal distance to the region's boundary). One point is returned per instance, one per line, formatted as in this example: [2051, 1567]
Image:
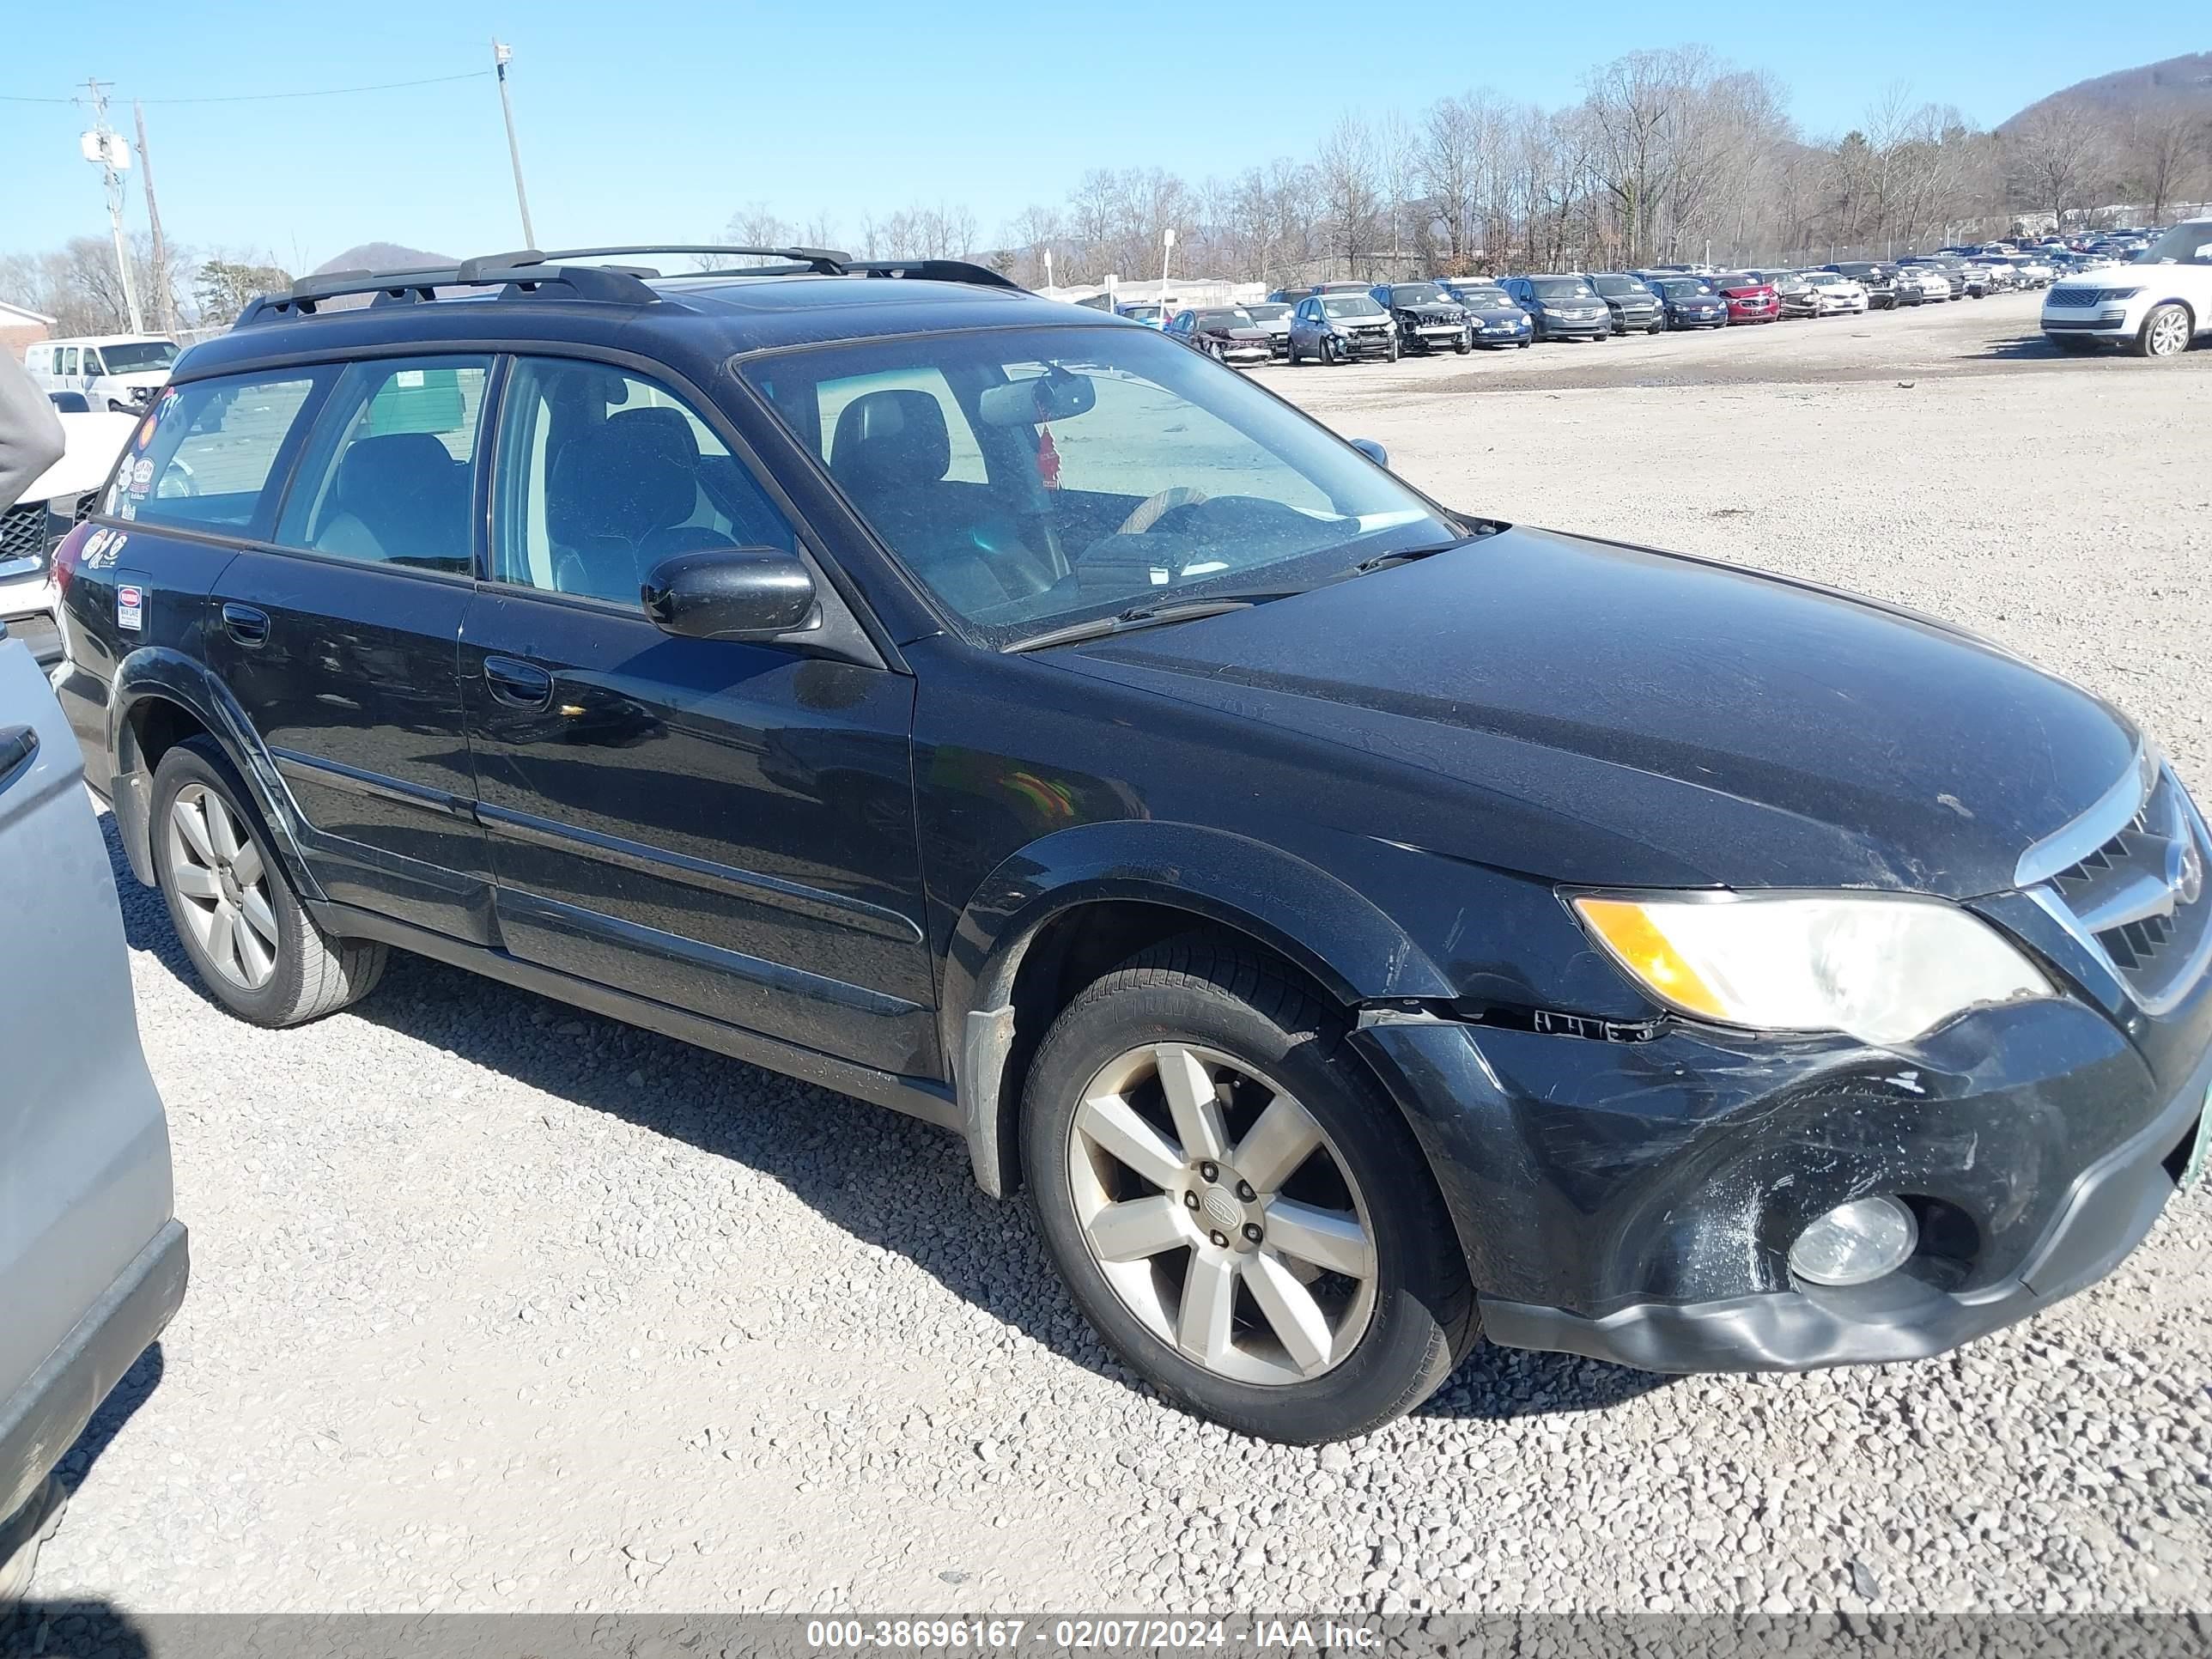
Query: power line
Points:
[266, 97]
[325, 92]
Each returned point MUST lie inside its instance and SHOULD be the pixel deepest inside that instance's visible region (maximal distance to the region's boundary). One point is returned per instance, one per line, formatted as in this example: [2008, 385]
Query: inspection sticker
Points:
[130, 607]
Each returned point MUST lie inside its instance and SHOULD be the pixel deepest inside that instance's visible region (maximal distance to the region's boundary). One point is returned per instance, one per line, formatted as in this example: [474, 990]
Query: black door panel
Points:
[723, 827]
[350, 683]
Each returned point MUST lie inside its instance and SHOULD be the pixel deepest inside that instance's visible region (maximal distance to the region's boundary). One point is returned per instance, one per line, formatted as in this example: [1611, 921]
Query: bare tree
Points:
[2166, 148]
[752, 225]
[1347, 172]
[2058, 155]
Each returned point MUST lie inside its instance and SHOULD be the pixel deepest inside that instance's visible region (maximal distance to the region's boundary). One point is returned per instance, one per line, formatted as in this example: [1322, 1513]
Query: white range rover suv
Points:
[2157, 304]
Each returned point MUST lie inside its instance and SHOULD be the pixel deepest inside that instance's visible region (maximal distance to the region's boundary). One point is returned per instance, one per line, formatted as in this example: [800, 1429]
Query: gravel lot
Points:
[499, 1306]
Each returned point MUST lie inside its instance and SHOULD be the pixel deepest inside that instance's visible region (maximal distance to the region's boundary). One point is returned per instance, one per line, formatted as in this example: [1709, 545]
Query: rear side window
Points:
[389, 477]
[205, 452]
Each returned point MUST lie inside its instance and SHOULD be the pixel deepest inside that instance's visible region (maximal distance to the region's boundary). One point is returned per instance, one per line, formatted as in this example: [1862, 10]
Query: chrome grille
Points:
[24, 531]
[2141, 894]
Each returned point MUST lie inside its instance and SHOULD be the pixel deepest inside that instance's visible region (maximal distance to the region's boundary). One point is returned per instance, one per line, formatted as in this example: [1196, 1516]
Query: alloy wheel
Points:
[1221, 1214]
[223, 887]
[2169, 332]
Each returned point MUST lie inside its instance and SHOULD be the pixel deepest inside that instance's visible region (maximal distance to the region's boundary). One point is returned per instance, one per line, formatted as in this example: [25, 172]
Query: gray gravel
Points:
[499, 1306]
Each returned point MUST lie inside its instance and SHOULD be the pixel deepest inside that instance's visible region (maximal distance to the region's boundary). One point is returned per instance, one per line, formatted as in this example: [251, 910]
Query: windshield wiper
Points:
[1142, 615]
[1481, 528]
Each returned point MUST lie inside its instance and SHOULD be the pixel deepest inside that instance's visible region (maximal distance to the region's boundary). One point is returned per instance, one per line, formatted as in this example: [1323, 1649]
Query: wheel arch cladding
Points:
[159, 698]
[1058, 914]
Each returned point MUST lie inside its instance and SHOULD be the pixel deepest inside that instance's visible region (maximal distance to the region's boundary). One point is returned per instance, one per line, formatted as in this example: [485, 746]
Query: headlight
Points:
[2111, 294]
[1879, 969]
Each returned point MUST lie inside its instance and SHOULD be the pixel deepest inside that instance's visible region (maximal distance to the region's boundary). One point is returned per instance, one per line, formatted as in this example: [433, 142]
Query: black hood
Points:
[1595, 714]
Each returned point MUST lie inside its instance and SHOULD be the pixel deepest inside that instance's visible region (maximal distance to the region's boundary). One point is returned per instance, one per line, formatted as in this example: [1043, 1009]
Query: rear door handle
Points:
[247, 625]
[518, 684]
[18, 746]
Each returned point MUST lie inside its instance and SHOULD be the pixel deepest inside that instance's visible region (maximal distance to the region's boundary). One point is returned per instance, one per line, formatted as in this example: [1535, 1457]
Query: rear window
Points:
[204, 452]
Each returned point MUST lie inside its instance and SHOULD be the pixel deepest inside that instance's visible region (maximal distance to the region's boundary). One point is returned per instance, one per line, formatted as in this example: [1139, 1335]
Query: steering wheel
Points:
[1153, 509]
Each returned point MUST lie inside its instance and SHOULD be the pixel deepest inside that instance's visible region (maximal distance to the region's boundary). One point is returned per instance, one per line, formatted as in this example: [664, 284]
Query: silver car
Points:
[92, 1260]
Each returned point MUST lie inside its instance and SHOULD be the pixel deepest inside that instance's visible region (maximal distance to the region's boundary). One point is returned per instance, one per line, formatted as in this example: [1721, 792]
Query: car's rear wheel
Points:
[2165, 332]
[1237, 1209]
[254, 948]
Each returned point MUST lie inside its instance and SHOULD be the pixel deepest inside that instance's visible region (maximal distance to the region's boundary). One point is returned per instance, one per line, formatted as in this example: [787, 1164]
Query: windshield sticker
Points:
[129, 607]
[141, 475]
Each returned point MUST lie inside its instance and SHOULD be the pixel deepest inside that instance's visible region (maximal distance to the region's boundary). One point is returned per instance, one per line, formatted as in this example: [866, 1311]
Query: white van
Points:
[119, 372]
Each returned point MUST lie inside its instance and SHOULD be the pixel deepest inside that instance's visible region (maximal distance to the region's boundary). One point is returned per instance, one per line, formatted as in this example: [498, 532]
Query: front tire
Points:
[2165, 332]
[1237, 1208]
[254, 947]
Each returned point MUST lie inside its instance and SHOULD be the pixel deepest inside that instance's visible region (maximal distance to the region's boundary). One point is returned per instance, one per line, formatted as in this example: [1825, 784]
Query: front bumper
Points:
[1596, 328]
[1635, 1202]
[42, 1421]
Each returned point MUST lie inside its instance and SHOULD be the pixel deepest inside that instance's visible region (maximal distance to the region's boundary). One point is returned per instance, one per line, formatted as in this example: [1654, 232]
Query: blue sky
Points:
[657, 119]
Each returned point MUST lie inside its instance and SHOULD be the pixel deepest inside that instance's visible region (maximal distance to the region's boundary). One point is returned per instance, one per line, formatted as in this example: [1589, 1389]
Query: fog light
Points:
[1855, 1243]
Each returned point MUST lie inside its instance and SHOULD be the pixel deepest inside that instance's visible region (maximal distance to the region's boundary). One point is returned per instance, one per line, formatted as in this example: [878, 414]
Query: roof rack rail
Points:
[934, 271]
[826, 262]
[525, 271]
[605, 283]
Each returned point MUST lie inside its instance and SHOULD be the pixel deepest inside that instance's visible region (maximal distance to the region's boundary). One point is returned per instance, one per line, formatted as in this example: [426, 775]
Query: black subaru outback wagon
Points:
[1359, 924]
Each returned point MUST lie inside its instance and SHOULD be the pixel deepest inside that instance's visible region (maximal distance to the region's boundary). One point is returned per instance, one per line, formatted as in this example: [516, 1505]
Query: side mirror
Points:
[1373, 451]
[731, 593]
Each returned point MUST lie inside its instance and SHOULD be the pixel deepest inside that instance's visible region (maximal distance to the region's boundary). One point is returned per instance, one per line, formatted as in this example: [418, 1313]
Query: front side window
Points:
[389, 477]
[1118, 469]
[204, 452]
[92, 364]
[602, 475]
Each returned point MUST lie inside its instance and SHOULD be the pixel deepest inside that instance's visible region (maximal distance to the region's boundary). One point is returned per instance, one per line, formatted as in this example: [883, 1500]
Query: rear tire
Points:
[1296, 1350]
[252, 946]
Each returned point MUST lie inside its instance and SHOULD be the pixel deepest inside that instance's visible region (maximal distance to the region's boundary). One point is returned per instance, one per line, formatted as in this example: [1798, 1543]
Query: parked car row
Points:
[1343, 322]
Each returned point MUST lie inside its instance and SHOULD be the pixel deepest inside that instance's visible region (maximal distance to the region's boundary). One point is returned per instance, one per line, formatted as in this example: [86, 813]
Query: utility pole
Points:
[502, 56]
[104, 146]
[1167, 247]
[163, 297]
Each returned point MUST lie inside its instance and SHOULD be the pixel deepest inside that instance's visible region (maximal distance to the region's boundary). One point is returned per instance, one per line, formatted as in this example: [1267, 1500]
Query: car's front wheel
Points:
[1238, 1209]
[254, 948]
[2165, 332]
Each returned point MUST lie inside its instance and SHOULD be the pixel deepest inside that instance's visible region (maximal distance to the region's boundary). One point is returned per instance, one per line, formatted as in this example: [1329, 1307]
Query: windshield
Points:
[1142, 313]
[1418, 294]
[1561, 287]
[2189, 243]
[1683, 288]
[1269, 313]
[1223, 319]
[1155, 477]
[1619, 288]
[137, 356]
[1350, 305]
[1486, 299]
[1822, 278]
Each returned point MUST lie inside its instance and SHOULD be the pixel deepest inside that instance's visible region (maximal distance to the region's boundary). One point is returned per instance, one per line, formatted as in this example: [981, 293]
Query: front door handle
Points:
[518, 684]
[247, 625]
[18, 746]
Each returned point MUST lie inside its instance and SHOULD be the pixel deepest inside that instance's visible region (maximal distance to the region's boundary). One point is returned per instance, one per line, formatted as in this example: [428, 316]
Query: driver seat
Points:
[889, 453]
